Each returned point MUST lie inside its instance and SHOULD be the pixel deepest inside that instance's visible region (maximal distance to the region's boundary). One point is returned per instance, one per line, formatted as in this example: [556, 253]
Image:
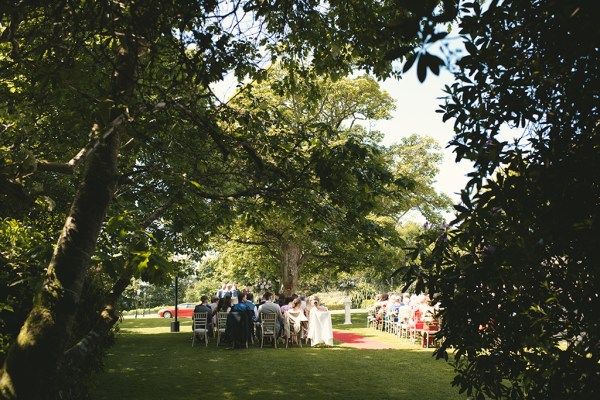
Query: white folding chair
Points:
[268, 327]
[200, 326]
[221, 324]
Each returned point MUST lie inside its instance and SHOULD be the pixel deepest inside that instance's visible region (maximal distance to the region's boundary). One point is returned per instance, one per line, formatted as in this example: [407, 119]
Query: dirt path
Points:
[359, 341]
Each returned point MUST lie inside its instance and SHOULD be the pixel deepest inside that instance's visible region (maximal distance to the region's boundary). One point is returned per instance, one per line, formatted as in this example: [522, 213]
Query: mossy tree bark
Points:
[32, 361]
[30, 364]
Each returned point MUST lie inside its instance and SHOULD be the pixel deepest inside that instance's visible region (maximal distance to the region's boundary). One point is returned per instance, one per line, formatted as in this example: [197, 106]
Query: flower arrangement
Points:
[347, 284]
[263, 285]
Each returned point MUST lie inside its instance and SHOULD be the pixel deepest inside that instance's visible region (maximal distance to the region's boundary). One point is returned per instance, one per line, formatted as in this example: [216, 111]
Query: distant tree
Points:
[346, 182]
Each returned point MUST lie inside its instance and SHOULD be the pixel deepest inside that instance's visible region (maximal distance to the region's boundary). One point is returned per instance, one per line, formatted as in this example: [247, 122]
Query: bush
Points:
[367, 303]
[332, 299]
[206, 287]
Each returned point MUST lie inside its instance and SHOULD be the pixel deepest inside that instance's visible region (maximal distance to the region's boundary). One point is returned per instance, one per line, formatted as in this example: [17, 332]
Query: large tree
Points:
[339, 169]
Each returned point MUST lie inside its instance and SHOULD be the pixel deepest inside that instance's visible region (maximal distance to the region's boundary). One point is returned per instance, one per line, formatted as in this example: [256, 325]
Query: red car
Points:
[183, 310]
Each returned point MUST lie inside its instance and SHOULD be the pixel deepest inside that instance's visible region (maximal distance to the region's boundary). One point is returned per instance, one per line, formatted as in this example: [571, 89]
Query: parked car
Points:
[183, 310]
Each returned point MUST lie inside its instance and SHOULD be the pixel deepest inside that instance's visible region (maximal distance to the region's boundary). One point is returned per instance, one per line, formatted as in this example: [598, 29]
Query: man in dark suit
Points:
[204, 307]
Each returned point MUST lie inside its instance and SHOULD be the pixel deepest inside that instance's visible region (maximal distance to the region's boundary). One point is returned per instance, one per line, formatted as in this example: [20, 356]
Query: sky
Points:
[416, 104]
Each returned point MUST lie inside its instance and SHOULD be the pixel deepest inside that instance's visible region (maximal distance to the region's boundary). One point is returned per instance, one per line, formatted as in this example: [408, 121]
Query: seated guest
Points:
[280, 299]
[288, 304]
[392, 310]
[297, 315]
[251, 305]
[319, 325]
[317, 303]
[203, 307]
[241, 305]
[224, 304]
[261, 301]
[297, 304]
[313, 304]
[214, 301]
[303, 301]
[380, 307]
[270, 307]
[239, 322]
[252, 310]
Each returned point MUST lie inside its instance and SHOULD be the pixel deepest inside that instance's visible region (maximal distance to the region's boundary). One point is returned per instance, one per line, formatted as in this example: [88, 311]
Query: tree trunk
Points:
[292, 259]
[78, 354]
[31, 362]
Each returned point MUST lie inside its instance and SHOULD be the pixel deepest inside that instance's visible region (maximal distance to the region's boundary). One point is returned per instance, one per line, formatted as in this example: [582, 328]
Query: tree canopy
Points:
[116, 96]
[110, 130]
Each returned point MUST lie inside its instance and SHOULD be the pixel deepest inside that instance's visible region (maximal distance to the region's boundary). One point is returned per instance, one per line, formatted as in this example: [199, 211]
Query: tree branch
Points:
[70, 166]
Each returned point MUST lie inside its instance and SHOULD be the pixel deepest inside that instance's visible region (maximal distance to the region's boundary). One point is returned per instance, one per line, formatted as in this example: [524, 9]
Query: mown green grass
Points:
[149, 362]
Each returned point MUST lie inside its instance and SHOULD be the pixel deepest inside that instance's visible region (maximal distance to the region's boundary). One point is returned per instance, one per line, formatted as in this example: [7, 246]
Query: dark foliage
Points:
[517, 273]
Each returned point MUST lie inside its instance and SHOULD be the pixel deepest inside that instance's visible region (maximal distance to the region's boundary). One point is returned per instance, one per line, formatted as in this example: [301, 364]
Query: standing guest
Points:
[234, 290]
[203, 307]
[221, 291]
[249, 288]
[228, 290]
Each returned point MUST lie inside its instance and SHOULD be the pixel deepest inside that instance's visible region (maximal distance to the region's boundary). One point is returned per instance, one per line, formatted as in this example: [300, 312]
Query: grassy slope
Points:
[148, 362]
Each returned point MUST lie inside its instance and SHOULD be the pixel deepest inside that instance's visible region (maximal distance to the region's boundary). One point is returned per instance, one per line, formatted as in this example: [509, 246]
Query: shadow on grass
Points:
[147, 363]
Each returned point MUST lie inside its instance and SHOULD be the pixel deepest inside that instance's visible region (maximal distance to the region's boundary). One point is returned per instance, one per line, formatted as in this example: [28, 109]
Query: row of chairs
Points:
[411, 325]
[266, 328]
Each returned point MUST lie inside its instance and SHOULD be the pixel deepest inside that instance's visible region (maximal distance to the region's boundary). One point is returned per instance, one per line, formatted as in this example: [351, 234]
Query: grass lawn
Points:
[149, 362]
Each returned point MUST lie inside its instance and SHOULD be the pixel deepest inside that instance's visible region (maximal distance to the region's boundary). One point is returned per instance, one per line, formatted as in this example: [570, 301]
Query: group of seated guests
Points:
[269, 303]
[411, 309]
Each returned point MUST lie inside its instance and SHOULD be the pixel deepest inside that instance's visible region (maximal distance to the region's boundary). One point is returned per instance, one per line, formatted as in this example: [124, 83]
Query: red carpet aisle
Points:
[358, 341]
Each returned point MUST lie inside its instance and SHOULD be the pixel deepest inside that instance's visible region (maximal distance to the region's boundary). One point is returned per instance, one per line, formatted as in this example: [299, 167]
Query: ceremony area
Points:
[196, 197]
[149, 362]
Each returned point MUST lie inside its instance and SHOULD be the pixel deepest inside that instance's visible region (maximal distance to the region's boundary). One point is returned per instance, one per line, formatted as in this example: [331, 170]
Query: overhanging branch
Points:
[70, 166]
